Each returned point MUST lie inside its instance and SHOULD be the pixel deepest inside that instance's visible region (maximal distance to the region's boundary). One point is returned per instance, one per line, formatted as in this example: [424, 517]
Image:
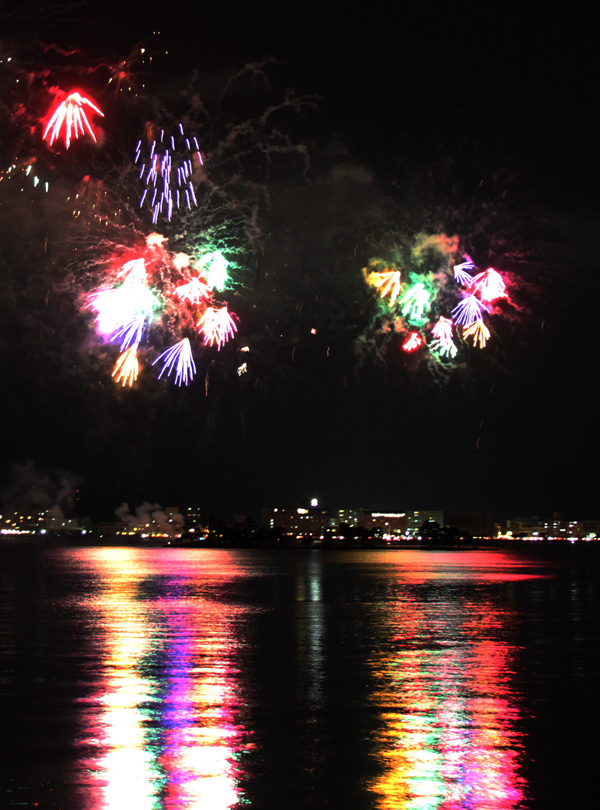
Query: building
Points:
[299, 522]
[390, 523]
[414, 520]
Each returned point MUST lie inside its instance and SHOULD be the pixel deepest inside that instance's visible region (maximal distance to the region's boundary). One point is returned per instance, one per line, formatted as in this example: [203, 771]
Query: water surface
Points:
[174, 678]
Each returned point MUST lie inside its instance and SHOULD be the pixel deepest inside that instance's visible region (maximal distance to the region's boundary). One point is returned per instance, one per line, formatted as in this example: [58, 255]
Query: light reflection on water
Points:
[164, 721]
[448, 737]
[228, 679]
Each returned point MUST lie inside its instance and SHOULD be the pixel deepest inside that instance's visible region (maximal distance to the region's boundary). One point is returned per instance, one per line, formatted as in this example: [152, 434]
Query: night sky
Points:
[426, 122]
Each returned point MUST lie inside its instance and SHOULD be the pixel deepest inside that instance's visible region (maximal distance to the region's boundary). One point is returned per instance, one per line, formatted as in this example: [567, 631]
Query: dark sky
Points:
[426, 121]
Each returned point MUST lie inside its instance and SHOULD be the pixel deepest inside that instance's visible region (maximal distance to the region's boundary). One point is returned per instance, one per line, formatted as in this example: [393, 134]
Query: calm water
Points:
[163, 678]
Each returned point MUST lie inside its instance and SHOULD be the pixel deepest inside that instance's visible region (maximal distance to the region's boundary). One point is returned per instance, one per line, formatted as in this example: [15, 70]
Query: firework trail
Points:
[127, 367]
[69, 117]
[167, 172]
[178, 358]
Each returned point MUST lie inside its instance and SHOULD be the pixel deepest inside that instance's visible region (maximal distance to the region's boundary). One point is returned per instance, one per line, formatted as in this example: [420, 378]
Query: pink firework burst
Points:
[489, 285]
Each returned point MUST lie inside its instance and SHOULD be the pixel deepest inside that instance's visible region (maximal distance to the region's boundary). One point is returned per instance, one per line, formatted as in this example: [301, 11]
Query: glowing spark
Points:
[127, 367]
[178, 357]
[167, 173]
[413, 342]
[243, 369]
[479, 332]
[118, 307]
[245, 349]
[460, 271]
[387, 283]
[443, 329]
[181, 260]
[217, 326]
[214, 266]
[134, 272]
[489, 285]
[470, 309]
[443, 342]
[195, 291]
[131, 333]
[446, 348]
[70, 117]
[155, 240]
[415, 302]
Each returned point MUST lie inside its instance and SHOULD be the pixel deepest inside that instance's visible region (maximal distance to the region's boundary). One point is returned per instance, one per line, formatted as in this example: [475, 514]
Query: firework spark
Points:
[443, 343]
[118, 307]
[388, 283]
[134, 272]
[127, 367]
[413, 342]
[461, 276]
[217, 326]
[70, 118]
[195, 291]
[167, 173]
[443, 329]
[445, 348]
[214, 266]
[415, 301]
[131, 333]
[469, 310]
[479, 332]
[489, 285]
[180, 359]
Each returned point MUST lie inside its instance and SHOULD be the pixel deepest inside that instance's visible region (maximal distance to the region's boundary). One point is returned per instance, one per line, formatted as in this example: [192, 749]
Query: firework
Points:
[131, 333]
[461, 276]
[214, 266]
[156, 240]
[388, 283]
[445, 348]
[479, 332]
[167, 173]
[489, 285]
[70, 118]
[134, 272]
[118, 307]
[217, 326]
[443, 329]
[415, 301]
[469, 310]
[178, 357]
[181, 261]
[195, 291]
[127, 367]
[443, 343]
[413, 342]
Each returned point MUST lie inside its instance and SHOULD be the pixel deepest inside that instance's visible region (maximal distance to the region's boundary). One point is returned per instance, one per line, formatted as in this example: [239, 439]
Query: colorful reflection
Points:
[449, 737]
[163, 728]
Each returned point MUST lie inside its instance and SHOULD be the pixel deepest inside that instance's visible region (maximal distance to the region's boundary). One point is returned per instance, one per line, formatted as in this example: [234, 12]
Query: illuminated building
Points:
[350, 517]
[416, 519]
[311, 521]
[392, 523]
